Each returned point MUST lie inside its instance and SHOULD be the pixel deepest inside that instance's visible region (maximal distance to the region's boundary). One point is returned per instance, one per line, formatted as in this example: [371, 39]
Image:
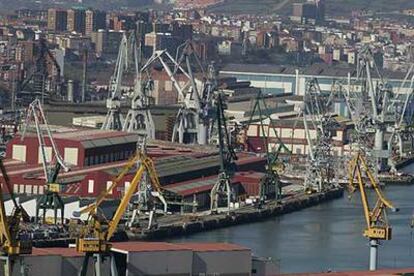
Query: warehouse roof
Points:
[59, 251]
[205, 247]
[316, 69]
[125, 247]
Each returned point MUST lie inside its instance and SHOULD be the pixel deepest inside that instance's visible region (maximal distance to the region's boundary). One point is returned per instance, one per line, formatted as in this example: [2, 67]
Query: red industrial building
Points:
[96, 157]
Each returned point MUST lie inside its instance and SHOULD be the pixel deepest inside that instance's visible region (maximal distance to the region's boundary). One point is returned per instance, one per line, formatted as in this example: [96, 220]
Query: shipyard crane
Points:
[193, 119]
[222, 188]
[51, 199]
[197, 104]
[273, 165]
[12, 244]
[94, 239]
[113, 119]
[319, 173]
[139, 118]
[377, 226]
[369, 104]
[401, 129]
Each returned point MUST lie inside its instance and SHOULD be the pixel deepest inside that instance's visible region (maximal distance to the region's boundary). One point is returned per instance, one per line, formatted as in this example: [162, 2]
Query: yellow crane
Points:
[376, 220]
[94, 238]
[11, 246]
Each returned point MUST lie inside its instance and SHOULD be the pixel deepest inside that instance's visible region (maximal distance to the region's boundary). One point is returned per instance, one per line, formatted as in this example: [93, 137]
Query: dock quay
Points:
[175, 225]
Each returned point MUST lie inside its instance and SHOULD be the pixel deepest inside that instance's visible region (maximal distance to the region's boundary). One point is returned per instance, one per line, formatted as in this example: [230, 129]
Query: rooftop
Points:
[316, 69]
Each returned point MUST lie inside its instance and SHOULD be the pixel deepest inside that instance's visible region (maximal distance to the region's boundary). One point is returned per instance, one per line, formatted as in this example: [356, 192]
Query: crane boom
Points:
[96, 234]
[51, 198]
[377, 226]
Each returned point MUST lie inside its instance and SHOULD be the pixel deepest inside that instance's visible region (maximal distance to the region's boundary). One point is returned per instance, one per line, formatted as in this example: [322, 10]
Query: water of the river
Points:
[328, 236]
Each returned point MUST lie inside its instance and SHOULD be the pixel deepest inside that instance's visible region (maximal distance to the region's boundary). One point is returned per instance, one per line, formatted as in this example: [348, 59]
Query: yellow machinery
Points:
[10, 244]
[95, 235]
[376, 218]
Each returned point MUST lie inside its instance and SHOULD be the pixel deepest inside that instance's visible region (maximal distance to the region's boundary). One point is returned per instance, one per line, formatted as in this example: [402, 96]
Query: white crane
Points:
[139, 118]
[320, 170]
[113, 119]
[50, 199]
[193, 119]
[399, 130]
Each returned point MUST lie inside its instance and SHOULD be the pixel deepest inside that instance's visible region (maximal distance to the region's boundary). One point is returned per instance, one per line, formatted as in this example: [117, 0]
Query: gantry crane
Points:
[113, 119]
[377, 226]
[11, 243]
[222, 187]
[139, 118]
[51, 199]
[94, 239]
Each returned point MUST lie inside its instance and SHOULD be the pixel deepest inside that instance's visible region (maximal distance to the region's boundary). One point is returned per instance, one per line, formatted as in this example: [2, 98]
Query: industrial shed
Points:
[153, 258]
[143, 258]
[78, 148]
[54, 261]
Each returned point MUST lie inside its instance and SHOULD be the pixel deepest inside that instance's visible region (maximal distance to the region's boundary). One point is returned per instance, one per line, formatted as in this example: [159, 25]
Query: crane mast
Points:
[319, 173]
[139, 118]
[113, 119]
[377, 226]
[51, 199]
[221, 189]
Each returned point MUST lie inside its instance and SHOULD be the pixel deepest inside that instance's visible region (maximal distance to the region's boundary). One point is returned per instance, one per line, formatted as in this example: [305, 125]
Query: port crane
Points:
[11, 243]
[377, 226]
[193, 120]
[319, 173]
[139, 118]
[51, 199]
[222, 187]
[113, 118]
[196, 108]
[273, 165]
[401, 130]
[369, 102]
[94, 239]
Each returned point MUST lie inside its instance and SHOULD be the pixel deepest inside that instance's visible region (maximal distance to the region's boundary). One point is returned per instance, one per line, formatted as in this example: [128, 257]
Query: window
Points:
[19, 152]
[28, 189]
[91, 184]
[71, 156]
